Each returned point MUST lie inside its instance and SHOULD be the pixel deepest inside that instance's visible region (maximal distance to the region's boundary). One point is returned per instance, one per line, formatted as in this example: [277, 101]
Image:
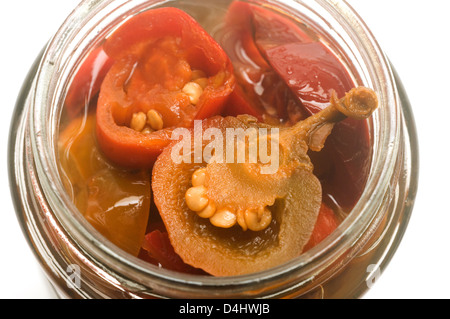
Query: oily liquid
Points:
[210, 15]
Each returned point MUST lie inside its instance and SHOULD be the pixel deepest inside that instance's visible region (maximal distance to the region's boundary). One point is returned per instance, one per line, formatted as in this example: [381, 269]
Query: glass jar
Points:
[80, 263]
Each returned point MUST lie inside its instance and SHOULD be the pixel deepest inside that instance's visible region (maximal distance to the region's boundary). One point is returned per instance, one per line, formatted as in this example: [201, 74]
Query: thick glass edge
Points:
[15, 137]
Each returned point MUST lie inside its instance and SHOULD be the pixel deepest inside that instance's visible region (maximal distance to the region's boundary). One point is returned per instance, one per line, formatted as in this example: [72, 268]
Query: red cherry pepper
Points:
[156, 54]
[311, 71]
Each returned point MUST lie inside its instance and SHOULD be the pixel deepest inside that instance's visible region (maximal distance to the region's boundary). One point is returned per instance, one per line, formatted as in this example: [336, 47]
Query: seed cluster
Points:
[194, 89]
[147, 123]
[224, 217]
[153, 121]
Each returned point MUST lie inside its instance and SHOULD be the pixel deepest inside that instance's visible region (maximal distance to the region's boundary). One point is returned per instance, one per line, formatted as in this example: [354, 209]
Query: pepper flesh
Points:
[155, 55]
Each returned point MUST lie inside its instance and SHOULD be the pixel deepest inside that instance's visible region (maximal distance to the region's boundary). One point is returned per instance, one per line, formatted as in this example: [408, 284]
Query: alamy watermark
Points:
[238, 145]
[374, 272]
[74, 280]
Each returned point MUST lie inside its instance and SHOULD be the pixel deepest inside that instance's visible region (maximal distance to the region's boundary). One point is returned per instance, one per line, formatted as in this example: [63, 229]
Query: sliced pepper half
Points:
[168, 71]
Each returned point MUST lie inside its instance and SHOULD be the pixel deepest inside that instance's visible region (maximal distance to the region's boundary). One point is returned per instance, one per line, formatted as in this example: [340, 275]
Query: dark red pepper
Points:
[260, 91]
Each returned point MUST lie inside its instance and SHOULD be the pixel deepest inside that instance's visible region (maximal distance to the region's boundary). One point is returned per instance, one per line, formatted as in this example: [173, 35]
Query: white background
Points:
[415, 36]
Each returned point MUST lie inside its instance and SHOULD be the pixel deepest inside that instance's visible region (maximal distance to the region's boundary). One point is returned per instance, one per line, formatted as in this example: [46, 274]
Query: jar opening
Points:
[335, 24]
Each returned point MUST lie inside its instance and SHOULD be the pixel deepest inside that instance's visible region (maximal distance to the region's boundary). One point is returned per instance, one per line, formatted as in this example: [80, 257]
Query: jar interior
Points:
[347, 38]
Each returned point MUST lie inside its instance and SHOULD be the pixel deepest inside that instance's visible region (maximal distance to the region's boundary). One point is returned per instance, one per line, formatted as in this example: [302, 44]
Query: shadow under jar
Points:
[344, 265]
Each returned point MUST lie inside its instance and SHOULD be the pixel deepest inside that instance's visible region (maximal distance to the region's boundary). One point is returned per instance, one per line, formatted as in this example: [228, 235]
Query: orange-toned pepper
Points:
[116, 202]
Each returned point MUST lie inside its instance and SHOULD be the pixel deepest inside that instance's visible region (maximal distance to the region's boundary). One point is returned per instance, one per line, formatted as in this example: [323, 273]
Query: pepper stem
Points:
[358, 103]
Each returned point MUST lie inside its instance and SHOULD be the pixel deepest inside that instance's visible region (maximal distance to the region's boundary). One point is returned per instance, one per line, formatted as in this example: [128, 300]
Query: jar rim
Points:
[44, 136]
